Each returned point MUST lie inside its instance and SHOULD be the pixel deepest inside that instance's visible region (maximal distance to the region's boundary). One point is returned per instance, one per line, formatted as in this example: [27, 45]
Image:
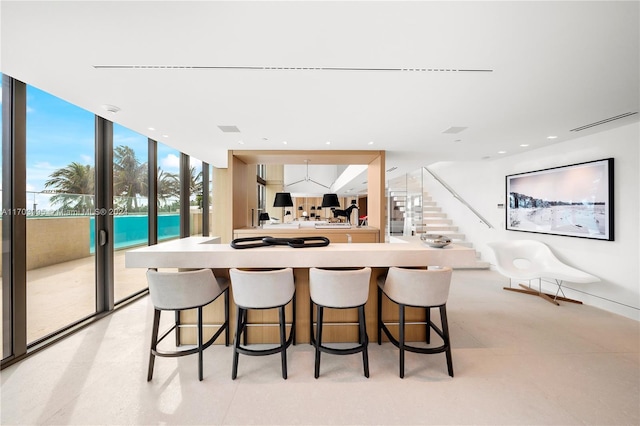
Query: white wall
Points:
[482, 184]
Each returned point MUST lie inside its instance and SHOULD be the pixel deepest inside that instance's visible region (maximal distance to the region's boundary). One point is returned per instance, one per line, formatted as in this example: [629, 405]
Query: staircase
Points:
[434, 221]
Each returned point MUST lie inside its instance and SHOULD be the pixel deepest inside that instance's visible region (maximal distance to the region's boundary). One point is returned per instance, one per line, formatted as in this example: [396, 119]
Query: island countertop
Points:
[205, 252]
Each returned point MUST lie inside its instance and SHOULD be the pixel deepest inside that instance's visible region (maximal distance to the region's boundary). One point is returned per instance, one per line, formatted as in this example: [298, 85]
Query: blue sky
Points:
[59, 133]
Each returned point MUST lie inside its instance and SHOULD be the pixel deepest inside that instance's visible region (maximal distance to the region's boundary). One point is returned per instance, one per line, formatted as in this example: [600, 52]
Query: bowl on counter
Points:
[435, 240]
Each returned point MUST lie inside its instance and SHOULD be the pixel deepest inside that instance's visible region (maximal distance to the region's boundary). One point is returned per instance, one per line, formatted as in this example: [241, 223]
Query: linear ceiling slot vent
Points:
[272, 68]
[606, 120]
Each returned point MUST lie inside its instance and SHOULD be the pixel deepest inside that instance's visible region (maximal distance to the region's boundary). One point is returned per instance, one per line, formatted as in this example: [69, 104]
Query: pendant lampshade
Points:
[330, 200]
[283, 199]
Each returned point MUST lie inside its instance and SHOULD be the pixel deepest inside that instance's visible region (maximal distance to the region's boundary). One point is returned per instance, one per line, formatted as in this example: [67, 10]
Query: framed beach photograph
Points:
[574, 200]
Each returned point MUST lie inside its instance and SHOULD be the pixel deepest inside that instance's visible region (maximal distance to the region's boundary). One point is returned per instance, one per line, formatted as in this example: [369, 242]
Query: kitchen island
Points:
[207, 252]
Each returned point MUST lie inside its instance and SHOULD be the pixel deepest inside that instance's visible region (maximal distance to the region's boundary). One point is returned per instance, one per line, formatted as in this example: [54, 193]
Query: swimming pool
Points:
[132, 230]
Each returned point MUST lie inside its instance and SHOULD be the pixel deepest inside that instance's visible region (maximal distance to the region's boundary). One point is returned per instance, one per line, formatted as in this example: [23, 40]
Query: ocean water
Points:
[132, 230]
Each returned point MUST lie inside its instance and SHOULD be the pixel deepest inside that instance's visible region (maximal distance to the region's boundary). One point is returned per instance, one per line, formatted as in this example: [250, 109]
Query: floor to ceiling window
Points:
[168, 192]
[58, 273]
[195, 196]
[60, 160]
[131, 207]
[2, 354]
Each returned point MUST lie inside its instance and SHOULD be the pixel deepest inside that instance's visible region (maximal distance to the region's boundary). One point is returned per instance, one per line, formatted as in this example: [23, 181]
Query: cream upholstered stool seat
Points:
[262, 290]
[424, 288]
[178, 291]
[339, 289]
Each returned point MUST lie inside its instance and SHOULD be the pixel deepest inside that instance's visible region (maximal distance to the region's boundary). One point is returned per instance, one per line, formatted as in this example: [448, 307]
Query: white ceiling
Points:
[554, 66]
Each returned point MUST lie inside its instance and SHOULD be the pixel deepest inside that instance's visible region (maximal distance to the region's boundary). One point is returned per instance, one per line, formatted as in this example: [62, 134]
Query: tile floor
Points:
[517, 360]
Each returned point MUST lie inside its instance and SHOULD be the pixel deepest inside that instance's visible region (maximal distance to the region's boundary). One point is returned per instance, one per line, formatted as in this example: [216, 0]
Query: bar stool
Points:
[424, 288]
[177, 291]
[262, 290]
[339, 289]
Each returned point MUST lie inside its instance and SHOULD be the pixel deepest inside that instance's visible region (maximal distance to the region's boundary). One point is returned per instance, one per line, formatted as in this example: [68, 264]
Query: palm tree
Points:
[195, 184]
[168, 186]
[74, 187]
[129, 175]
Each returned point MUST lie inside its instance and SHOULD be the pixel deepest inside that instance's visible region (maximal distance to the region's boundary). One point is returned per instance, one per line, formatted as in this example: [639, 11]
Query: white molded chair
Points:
[423, 288]
[339, 289]
[177, 291]
[262, 290]
[532, 260]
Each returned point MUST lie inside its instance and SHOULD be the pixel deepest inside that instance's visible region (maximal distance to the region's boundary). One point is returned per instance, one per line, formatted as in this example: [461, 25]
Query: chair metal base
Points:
[402, 345]
[241, 333]
[154, 351]
[319, 347]
[551, 298]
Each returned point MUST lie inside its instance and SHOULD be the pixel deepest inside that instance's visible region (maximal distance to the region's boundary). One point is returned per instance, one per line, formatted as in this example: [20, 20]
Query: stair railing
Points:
[458, 197]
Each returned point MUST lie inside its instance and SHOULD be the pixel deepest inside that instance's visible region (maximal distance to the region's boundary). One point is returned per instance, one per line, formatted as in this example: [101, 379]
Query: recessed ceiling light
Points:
[524, 144]
[110, 108]
[152, 128]
[371, 143]
[502, 152]
[328, 142]
[241, 142]
[284, 142]
[165, 136]
[552, 137]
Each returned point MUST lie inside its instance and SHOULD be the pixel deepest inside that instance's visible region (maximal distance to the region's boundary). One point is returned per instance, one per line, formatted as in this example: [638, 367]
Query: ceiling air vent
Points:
[454, 130]
[229, 129]
[391, 169]
[606, 120]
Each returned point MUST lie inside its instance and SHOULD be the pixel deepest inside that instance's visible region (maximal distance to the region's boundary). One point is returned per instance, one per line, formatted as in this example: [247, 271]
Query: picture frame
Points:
[575, 200]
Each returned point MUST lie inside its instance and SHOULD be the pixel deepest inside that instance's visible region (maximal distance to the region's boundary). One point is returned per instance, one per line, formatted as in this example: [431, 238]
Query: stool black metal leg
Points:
[293, 320]
[319, 311]
[447, 342]
[379, 316]
[236, 342]
[226, 317]
[154, 342]
[245, 321]
[283, 341]
[401, 341]
[177, 321]
[364, 340]
[428, 321]
[310, 321]
[200, 343]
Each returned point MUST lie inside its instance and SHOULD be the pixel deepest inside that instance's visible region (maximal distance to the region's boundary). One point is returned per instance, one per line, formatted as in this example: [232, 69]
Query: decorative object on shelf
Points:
[265, 241]
[288, 217]
[263, 218]
[435, 240]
